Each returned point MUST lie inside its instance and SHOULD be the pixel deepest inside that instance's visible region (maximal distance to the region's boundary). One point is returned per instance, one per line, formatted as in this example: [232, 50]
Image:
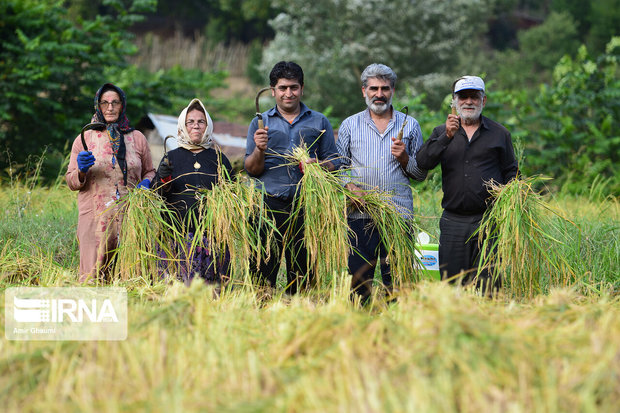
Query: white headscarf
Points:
[183, 135]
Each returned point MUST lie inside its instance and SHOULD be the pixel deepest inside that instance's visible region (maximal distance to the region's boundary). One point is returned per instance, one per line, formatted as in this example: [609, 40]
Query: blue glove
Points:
[145, 184]
[85, 160]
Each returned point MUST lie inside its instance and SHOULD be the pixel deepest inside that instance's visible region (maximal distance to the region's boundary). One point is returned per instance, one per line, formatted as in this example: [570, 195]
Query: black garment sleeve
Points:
[429, 155]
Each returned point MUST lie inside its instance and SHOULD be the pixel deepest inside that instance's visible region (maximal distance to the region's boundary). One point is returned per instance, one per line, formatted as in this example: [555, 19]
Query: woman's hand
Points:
[144, 184]
[165, 168]
[85, 160]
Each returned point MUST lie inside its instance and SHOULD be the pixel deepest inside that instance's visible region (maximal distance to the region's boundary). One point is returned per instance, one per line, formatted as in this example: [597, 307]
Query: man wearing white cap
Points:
[472, 150]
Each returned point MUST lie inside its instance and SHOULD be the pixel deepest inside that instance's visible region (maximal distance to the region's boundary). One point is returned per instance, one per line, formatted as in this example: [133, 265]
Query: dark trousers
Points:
[291, 239]
[460, 252]
[366, 249]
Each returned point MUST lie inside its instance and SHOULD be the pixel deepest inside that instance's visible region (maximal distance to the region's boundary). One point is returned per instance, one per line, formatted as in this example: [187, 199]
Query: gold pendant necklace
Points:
[196, 163]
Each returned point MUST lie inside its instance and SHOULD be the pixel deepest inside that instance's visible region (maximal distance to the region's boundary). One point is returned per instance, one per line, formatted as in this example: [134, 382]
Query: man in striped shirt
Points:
[376, 159]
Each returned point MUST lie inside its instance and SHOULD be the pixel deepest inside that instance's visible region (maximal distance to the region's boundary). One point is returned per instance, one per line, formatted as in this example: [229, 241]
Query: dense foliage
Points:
[51, 66]
[559, 101]
[430, 43]
[220, 20]
[567, 130]
[335, 40]
[573, 124]
[538, 50]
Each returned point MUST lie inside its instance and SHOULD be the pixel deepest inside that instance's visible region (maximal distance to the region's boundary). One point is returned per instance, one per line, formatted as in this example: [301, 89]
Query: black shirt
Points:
[467, 165]
[186, 179]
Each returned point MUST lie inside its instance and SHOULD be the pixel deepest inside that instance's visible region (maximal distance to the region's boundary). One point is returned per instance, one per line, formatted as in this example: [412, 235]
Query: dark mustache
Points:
[384, 100]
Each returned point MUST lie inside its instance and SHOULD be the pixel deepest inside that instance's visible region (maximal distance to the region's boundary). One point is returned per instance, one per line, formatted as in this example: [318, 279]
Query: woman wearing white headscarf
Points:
[193, 165]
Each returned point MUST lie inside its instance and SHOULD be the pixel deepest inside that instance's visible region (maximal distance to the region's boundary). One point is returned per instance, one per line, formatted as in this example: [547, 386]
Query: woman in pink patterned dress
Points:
[117, 158]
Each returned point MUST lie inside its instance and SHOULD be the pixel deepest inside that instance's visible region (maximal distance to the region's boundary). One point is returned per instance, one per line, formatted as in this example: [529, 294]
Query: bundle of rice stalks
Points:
[323, 202]
[147, 236]
[520, 238]
[232, 216]
[397, 231]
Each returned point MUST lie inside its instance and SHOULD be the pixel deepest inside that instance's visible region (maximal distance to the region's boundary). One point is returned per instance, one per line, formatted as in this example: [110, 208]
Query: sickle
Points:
[258, 112]
[405, 109]
[166, 147]
[94, 125]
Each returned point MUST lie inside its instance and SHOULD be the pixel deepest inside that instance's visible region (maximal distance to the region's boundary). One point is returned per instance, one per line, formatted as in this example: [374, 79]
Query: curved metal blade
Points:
[93, 125]
[257, 98]
[165, 146]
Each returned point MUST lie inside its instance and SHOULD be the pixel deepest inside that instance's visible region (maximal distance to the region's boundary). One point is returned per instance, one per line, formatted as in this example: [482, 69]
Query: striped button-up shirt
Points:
[367, 155]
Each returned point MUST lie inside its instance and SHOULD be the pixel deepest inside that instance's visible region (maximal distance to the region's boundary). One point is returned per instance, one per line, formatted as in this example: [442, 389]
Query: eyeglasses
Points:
[104, 105]
[190, 123]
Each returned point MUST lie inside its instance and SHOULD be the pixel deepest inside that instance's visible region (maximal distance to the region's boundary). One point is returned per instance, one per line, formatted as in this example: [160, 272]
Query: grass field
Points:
[437, 349]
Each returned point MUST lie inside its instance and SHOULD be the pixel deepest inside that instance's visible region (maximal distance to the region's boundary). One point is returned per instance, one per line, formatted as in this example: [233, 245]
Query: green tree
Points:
[51, 67]
[573, 125]
[597, 21]
[605, 22]
[244, 20]
[334, 40]
[539, 50]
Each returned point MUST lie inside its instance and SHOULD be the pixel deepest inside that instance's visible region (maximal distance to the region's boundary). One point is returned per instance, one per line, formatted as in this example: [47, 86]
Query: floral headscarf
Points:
[116, 130]
[183, 135]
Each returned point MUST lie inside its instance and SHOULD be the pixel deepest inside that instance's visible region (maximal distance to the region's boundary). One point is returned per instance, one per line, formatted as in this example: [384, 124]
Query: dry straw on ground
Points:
[439, 349]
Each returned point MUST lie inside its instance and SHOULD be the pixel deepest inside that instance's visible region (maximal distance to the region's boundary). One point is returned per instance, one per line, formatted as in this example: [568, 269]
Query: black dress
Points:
[192, 171]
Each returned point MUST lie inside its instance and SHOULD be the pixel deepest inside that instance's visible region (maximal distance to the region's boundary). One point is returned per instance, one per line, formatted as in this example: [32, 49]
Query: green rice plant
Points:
[232, 216]
[45, 226]
[437, 348]
[398, 234]
[23, 186]
[148, 231]
[521, 241]
[323, 202]
[597, 224]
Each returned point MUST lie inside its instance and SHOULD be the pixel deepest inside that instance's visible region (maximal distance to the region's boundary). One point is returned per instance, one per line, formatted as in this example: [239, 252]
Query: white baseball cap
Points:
[469, 82]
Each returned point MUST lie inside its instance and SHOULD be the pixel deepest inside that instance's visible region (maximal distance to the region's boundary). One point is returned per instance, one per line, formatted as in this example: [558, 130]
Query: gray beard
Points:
[470, 120]
[379, 109]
